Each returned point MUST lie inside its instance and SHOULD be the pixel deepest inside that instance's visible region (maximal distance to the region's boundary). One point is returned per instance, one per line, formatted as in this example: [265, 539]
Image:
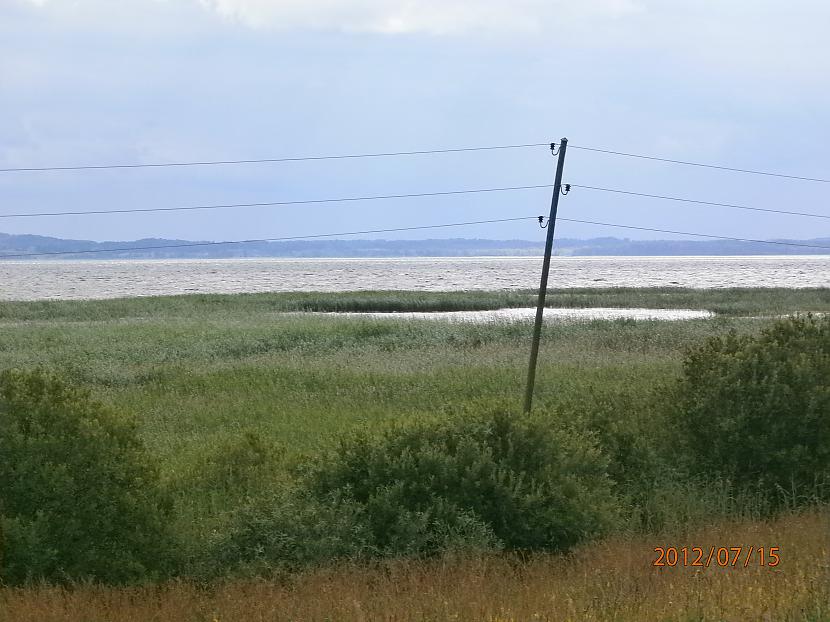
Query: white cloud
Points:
[729, 40]
[435, 17]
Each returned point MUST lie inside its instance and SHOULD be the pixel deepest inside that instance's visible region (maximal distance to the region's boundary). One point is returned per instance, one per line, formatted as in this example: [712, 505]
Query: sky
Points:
[732, 82]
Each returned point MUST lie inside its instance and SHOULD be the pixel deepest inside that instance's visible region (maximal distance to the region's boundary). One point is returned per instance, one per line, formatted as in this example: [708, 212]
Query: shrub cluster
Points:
[755, 410]
[471, 482]
[532, 486]
[78, 493]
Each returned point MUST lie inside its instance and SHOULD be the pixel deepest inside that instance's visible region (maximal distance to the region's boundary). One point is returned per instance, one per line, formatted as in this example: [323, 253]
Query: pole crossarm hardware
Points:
[543, 285]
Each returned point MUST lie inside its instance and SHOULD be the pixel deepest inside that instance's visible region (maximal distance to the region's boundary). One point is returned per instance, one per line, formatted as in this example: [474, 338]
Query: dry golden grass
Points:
[612, 580]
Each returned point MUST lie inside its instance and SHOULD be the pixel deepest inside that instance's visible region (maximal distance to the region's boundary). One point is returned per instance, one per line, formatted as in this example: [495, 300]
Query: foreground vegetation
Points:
[612, 580]
[240, 441]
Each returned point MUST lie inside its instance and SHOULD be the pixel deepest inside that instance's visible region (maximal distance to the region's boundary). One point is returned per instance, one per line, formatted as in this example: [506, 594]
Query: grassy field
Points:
[727, 301]
[209, 377]
[196, 369]
[611, 580]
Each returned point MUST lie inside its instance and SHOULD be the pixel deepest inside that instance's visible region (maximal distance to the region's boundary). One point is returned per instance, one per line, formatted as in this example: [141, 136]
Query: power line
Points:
[700, 202]
[414, 228]
[400, 154]
[698, 235]
[270, 160]
[276, 203]
[702, 165]
[282, 239]
[409, 196]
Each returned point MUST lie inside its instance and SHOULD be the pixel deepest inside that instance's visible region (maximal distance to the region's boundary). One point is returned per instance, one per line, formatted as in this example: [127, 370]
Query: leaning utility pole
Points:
[543, 286]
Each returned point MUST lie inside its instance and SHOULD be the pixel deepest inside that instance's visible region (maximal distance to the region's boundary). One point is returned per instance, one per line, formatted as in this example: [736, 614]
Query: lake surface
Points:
[37, 280]
[502, 316]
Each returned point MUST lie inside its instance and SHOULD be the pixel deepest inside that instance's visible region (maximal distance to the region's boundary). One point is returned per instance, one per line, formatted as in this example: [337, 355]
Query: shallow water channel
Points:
[527, 315]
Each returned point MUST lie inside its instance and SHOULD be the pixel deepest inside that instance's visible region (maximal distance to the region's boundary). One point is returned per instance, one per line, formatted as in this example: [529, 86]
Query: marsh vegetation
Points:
[344, 452]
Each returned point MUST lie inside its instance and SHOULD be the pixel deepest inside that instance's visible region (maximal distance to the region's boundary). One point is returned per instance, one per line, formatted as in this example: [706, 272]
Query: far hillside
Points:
[16, 246]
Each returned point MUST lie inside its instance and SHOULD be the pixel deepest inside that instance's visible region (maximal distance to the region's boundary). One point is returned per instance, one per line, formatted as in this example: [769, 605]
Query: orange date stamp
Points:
[718, 556]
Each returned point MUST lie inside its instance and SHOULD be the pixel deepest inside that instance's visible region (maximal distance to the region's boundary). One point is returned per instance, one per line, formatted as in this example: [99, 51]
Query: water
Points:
[37, 280]
[527, 315]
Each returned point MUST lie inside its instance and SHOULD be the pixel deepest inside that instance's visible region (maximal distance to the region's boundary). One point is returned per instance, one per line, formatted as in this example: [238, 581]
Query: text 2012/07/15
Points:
[723, 556]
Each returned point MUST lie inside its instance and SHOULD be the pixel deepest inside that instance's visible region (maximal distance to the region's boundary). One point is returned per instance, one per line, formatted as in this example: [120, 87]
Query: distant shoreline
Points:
[402, 258]
[31, 247]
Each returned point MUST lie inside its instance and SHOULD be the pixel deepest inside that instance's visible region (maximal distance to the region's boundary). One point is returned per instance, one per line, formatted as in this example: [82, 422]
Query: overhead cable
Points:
[701, 164]
[277, 203]
[701, 202]
[262, 240]
[349, 156]
[698, 235]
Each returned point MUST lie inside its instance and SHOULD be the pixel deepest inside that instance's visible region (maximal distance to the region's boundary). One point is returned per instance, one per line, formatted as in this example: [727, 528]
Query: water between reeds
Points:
[528, 314]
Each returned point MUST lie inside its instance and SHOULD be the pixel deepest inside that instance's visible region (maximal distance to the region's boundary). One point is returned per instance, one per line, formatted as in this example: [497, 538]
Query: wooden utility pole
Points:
[543, 286]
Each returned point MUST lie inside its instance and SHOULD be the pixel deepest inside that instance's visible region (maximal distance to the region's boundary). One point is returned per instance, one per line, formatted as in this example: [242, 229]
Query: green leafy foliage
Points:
[532, 486]
[459, 484]
[286, 531]
[78, 495]
[231, 395]
[757, 408]
[629, 425]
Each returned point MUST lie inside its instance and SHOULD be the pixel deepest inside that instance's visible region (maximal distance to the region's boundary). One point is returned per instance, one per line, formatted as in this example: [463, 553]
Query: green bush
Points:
[756, 409]
[285, 531]
[460, 484]
[290, 530]
[630, 427]
[78, 494]
[484, 478]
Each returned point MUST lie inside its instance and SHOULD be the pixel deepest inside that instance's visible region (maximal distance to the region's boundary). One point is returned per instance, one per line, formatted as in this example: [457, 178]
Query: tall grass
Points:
[303, 380]
[730, 302]
[201, 372]
[233, 397]
[609, 580]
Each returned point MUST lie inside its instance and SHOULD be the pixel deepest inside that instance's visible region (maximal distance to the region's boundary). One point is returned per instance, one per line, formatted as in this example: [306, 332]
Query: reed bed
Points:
[201, 374]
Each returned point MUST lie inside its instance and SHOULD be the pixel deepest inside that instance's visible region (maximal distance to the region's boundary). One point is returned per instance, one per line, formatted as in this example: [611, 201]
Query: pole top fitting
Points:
[563, 142]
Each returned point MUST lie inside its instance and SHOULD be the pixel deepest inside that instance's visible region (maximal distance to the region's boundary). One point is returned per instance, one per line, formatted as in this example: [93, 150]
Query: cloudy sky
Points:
[734, 82]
